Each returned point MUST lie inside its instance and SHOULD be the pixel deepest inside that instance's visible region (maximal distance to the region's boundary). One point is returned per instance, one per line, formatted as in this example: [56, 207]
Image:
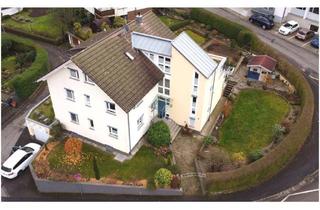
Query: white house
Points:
[110, 91]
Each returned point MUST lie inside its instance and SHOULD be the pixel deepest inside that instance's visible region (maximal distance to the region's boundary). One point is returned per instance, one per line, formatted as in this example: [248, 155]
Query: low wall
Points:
[48, 186]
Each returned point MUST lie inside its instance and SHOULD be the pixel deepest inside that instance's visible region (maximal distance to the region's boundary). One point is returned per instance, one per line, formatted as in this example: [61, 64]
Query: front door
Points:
[161, 108]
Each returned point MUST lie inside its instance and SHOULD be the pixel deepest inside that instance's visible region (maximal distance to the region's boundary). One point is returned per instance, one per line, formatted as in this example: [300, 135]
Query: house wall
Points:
[58, 81]
[262, 77]
[148, 113]
[182, 75]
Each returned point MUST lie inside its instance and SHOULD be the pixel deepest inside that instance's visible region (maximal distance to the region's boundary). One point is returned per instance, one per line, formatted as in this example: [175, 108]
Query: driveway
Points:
[306, 59]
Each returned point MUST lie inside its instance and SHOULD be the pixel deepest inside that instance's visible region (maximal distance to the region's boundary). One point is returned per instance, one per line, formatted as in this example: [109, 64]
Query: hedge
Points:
[179, 25]
[159, 134]
[25, 83]
[269, 165]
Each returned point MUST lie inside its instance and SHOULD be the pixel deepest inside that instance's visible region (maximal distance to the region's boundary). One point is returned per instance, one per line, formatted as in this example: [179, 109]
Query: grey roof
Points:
[195, 54]
[151, 43]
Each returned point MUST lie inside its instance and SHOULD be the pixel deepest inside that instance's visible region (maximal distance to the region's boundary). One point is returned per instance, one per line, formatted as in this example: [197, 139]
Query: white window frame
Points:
[193, 106]
[164, 65]
[77, 118]
[76, 76]
[113, 132]
[87, 79]
[192, 122]
[91, 126]
[162, 86]
[195, 84]
[72, 93]
[86, 101]
[140, 122]
[109, 109]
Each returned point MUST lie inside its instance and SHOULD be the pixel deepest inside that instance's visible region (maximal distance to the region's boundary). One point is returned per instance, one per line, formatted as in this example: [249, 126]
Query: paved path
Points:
[307, 160]
[305, 58]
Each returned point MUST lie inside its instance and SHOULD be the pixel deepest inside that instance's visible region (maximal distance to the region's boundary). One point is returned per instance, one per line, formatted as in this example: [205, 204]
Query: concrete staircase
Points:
[229, 87]
[173, 127]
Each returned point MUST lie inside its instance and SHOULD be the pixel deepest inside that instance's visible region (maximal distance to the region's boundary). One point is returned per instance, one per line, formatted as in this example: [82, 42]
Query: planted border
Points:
[25, 83]
[268, 166]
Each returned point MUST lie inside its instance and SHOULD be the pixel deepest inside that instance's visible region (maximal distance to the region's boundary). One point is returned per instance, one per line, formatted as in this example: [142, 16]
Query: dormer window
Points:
[74, 74]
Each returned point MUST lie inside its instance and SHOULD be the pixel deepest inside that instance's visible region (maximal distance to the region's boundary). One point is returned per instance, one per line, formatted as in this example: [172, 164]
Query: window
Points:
[113, 132]
[140, 122]
[151, 56]
[166, 88]
[87, 100]
[164, 64]
[87, 79]
[193, 105]
[70, 94]
[74, 74]
[111, 107]
[314, 10]
[195, 83]
[301, 8]
[91, 124]
[74, 118]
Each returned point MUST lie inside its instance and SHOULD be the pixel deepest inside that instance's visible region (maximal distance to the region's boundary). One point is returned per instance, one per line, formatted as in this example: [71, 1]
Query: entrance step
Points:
[229, 87]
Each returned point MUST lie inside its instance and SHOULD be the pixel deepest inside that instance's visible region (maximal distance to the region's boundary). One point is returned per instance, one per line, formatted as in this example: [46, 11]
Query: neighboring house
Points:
[261, 67]
[110, 91]
[126, 12]
[10, 11]
[307, 17]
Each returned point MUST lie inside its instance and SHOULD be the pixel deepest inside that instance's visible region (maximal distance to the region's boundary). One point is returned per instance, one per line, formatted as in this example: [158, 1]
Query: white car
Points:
[289, 27]
[19, 160]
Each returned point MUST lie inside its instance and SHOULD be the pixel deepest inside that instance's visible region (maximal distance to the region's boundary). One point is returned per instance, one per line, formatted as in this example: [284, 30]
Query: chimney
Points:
[139, 20]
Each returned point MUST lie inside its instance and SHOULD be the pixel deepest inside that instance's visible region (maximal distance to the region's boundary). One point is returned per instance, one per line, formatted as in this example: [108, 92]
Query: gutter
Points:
[129, 133]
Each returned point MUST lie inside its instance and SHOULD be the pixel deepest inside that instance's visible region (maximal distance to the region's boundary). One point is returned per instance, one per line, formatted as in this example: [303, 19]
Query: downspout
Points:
[214, 78]
[129, 133]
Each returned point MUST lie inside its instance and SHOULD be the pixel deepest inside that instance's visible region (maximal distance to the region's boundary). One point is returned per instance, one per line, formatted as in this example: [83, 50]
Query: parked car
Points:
[289, 27]
[261, 21]
[19, 160]
[315, 42]
[304, 34]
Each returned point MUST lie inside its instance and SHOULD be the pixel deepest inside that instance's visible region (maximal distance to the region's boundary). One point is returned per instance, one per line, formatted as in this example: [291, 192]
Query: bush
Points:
[207, 140]
[56, 131]
[278, 131]
[239, 158]
[163, 178]
[159, 134]
[179, 25]
[104, 26]
[96, 169]
[255, 155]
[6, 45]
[25, 83]
[118, 22]
[175, 183]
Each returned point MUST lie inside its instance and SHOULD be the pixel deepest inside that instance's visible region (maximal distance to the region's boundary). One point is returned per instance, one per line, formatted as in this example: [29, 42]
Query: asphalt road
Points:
[305, 58]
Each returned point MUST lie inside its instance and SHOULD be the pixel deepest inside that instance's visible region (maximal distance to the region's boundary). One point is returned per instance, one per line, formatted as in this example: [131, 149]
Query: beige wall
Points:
[181, 91]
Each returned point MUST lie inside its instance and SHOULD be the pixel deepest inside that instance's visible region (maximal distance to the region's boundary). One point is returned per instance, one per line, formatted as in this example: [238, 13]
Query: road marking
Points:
[299, 193]
[306, 43]
[292, 37]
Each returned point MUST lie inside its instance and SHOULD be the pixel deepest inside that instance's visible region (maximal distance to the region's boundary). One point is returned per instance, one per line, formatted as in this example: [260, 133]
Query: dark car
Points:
[315, 42]
[261, 21]
[304, 34]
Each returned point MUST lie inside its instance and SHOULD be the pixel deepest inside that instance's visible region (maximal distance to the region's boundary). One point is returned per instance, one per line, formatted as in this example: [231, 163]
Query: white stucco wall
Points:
[60, 80]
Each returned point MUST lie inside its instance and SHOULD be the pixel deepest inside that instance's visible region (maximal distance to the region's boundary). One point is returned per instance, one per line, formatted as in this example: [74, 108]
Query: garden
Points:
[43, 113]
[45, 24]
[71, 159]
[23, 62]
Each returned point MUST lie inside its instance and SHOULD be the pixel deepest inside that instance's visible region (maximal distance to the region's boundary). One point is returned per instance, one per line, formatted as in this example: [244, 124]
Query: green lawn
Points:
[46, 25]
[143, 165]
[250, 124]
[44, 109]
[196, 37]
[169, 21]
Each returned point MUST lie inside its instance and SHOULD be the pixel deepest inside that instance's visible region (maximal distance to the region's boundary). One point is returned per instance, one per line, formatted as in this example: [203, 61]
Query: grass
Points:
[169, 21]
[46, 25]
[142, 166]
[250, 124]
[44, 109]
[196, 37]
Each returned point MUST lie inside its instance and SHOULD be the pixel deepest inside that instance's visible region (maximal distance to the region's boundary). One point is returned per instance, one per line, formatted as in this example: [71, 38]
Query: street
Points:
[306, 162]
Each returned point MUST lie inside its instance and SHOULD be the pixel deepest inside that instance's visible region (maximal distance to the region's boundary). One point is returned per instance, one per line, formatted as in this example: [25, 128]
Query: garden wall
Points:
[25, 83]
[266, 167]
[47, 186]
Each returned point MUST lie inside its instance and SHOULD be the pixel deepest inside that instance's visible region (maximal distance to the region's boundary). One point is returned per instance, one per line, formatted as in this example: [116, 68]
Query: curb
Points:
[308, 179]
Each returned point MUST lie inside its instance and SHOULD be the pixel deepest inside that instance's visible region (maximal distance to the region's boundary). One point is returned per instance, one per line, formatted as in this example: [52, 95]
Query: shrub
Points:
[104, 26]
[255, 155]
[25, 83]
[96, 169]
[6, 45]
[159, 134]
[72, 149]
[76, 27]
[179, 25]
[175, 182]
[163, 178]
[207, 140]
[163, 151]
[118, 22]
[56, 131]
[239, 158]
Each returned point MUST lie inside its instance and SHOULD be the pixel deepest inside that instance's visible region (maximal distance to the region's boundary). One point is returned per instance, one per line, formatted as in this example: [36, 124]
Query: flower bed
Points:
[90, 164]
